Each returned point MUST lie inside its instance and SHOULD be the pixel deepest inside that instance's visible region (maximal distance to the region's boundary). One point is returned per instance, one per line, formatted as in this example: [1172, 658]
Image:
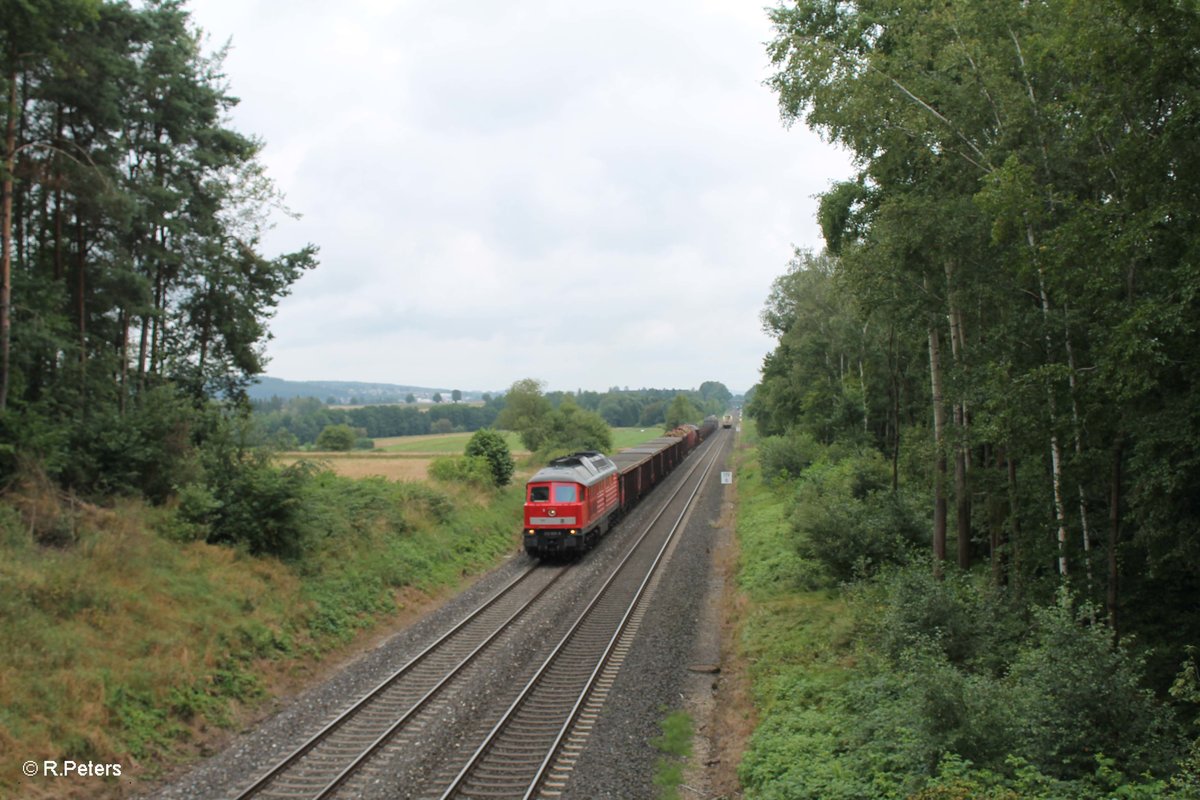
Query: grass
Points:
[455, 443]
[438, 443]
[675, 744]
[126, 645]
[798, 641]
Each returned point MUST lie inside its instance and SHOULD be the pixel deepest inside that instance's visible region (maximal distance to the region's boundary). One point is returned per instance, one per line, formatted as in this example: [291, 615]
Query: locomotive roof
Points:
[586, 467]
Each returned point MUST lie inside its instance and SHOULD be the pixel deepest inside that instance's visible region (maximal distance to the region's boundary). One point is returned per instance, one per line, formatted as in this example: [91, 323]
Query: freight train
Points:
[576, 499]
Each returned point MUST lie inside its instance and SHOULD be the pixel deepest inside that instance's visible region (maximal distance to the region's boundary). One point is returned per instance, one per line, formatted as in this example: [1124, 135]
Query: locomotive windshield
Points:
[539, 494]
[565, 493]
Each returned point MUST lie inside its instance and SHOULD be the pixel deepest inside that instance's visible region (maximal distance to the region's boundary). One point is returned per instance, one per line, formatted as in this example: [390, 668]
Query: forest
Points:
[133, 288]
[988, 380]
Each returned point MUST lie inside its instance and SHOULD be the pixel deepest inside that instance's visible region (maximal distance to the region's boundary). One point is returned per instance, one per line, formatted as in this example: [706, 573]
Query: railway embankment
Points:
[127, 640]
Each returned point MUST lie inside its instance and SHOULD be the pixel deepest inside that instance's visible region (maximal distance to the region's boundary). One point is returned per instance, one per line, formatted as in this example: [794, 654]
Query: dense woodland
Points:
[134, 289]
[1006, 317]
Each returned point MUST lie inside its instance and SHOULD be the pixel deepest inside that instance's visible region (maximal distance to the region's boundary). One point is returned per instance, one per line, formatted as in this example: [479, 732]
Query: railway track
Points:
[528, 752]
[533, 741]
[330, 757]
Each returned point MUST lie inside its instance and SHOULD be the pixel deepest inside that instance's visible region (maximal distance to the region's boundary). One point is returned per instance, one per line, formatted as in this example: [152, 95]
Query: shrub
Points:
[856, 537]
[490, 445]
[784, 457]
[339, 438]
[471, 470]
[1079, 696]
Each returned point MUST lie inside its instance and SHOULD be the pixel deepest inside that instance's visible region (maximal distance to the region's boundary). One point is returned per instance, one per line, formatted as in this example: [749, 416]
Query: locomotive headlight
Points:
[529, 532]
[573, 531]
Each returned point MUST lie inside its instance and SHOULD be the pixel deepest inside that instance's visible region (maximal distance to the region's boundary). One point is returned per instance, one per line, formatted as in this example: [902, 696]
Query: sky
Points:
[588, 194]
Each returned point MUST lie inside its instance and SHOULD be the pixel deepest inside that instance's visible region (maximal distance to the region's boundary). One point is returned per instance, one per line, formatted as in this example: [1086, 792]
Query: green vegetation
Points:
[981, 405]
[490, 445]
[337, 438]
[446, 443]
[547, 430]
[126, 643]
[675, 744]
[904, 685]
[297, 422]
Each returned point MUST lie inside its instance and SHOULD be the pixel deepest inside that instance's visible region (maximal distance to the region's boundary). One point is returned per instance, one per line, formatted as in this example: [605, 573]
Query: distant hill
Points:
[347, 392]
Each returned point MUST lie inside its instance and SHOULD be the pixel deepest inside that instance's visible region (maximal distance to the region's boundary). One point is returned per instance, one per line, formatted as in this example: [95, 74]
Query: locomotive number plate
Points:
[551, 520]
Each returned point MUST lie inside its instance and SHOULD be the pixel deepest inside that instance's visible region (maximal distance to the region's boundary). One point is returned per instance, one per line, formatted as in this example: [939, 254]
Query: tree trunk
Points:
[962, 498]
[1014, 524]
[1114, 540]
[939, 434]
[1060, 512]
[10, 163]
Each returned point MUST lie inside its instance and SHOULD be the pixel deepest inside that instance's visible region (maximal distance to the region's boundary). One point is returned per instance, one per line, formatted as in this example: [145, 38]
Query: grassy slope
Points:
[127, 645]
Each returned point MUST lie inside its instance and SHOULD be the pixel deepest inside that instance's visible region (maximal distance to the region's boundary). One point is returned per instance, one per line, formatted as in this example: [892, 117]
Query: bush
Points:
[338, 438]
[856, 537]
[489, 444]
[470, 470]
[785, 457]
[971, 625]
[1079, 696]
[242, 498]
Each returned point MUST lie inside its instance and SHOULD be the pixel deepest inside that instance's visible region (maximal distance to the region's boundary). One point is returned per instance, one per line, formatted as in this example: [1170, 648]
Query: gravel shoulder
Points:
[682, 659]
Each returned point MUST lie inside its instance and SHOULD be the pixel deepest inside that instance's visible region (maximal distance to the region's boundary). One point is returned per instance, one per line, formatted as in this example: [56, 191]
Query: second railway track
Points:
[430, 697]
[517, 754]
[324, 762]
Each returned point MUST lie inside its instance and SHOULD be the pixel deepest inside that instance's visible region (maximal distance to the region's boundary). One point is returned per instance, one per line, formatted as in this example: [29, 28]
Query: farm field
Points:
[407, 458]
[441, 444]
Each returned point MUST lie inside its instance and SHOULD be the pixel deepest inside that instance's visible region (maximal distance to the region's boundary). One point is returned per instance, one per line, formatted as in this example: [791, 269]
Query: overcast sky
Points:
[590, 194]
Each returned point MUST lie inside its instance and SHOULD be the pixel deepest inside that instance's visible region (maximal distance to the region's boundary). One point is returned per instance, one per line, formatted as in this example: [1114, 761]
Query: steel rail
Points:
[544, 669]
[338, 722]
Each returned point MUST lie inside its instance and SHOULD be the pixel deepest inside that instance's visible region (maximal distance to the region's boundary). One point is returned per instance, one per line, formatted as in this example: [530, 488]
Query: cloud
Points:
[590, 194]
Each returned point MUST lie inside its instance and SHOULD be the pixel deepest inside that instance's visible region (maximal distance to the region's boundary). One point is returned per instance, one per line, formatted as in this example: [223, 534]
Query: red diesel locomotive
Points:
[574, 500]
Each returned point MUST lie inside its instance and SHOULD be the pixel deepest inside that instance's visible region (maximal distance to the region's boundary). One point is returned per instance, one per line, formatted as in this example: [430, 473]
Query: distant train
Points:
[574, 500]
[727, 421]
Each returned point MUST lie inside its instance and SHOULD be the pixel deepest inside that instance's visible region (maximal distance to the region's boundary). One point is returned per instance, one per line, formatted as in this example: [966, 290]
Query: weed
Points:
[675, 744]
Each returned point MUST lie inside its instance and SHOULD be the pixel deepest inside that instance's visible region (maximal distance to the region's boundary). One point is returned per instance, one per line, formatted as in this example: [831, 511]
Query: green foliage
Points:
[491, 445]
[675, 744]
[337, 438]
[930, 688]
[571, 428]
[473, 471]
[845, 518]
[242, 498]
[526, 411]
[785, 457]
[680, 411]
[1077, 696]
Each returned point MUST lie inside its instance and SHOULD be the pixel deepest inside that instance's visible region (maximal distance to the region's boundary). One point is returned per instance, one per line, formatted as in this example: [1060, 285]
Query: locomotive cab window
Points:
[565, 493]
[539, 494]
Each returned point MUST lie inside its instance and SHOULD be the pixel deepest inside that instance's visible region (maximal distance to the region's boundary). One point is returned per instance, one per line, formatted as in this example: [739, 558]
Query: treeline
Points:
[1007, 311]
[131, 226]
[1009, 304]
[299, 422]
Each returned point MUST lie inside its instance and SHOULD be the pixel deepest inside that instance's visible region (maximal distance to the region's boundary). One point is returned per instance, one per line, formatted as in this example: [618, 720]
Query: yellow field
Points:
[366, 465]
